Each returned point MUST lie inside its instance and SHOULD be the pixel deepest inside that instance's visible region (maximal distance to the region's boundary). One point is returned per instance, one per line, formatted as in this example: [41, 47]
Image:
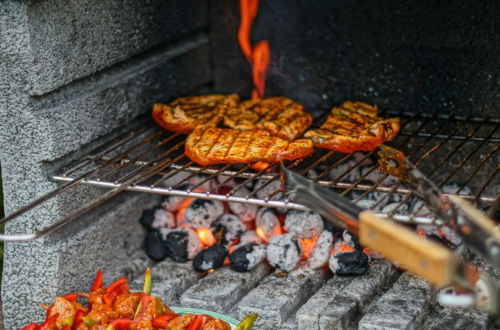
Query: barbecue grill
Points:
[79, 139]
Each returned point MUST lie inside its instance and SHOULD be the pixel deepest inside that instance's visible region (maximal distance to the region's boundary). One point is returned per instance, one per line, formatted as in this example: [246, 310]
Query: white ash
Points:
[248, 237]
[395, 207]
[372, 199]
[338, 171]
[351, 240]
[163, 219]
[451, 235]
[283, 252]
[268, 190]
[207, 265]
[164, 232]
[224, 179]
[247, 212]
[232, 224]
[247, 257]
[197, 179]
[268, 222]
[304, 224]
[419, 209]
[202, 213]
[452, 188]
[256, 256]
[173, 203]
[321, 252]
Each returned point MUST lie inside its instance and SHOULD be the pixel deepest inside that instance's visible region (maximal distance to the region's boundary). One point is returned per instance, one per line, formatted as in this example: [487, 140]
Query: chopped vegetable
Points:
[162, 320]
[247, 322]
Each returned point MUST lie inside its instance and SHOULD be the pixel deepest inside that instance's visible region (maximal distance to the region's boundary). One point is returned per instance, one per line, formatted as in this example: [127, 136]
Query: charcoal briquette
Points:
[246, 212]
[351, 240]
[147, 217]
[349, 263]
[321, 252]
[201, 213]
[283, 252]
[163, 219]
[155, 247]
[182, 244]
[211, 257]
[246, 257]
[304, 224]
[268, 189]
[173, 203]
[228, 227]
[249, 236]
[268, 222]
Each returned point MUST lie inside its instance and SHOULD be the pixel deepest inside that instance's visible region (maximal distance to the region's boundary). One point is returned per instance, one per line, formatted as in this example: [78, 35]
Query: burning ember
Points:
[258, 56]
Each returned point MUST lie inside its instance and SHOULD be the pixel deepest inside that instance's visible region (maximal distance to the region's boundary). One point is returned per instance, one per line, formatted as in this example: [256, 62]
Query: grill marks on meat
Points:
[210, 145]
[354, 126]
[184, 114]
[277, 115]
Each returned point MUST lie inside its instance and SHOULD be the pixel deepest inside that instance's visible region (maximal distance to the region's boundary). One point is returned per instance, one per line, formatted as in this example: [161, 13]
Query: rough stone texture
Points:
[404, 306]
[425, 56]
[73, 39]
[170, 279]
[41, 130]
[221, 290]
[276, 298]
[348, 304]
[448, 318]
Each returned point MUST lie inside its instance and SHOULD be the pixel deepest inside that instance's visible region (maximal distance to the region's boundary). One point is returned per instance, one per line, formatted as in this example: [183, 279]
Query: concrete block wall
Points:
[72, 72]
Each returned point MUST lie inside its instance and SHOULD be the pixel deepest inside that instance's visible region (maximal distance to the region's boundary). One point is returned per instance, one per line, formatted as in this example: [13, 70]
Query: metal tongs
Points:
[430, 260]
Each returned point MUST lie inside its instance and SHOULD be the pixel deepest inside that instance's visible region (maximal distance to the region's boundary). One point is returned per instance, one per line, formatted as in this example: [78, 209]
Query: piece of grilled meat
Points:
[278, 115]
[210, 145]
[185, 113]
[353, 126]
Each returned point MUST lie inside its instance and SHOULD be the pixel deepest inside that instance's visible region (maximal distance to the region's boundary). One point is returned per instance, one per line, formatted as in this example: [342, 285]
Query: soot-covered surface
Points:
[414, 55]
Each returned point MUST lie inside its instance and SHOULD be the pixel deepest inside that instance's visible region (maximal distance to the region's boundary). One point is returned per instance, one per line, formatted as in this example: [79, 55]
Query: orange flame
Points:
[262, 234]
[206, 236]
[260, 55]
[342, 248]
[307, 246]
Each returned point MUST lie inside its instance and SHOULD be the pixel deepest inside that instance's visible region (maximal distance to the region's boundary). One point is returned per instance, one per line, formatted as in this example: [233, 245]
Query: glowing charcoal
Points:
[321, 251]
[182, 244]
[304, 224]
[173, 203]
[163, 219]
[246, 257]
[247, 212]
[351, 240]
[202, 213]
[283, 252]
[227, 228]
[267, 223]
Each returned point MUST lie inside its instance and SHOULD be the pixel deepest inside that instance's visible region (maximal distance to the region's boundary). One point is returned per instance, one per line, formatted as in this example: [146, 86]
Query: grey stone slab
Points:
[170, 280]
[404, 306]
[276, 298]
[341, 300]
[221, 290]
[73, 39]
[448, 318]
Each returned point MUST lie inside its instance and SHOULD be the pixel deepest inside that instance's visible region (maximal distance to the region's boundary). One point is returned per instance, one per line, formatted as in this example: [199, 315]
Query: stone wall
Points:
[71, 74]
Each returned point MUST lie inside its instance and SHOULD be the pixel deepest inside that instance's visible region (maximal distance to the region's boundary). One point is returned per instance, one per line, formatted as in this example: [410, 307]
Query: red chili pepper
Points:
[97, 281]
[162, 320]
[66, 327]
[51, 321]
[78, 319]
[197, 323]
[117, 287]
[71, 297]
[145, 300]
[31, 326]
[121, 324]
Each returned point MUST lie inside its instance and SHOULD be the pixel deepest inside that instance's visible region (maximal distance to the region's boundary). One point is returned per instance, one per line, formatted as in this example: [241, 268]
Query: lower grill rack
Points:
[311, 299]
[460, 154]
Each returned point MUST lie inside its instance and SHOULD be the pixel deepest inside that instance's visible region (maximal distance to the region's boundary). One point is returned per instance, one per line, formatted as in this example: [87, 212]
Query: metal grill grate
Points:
[462, 150]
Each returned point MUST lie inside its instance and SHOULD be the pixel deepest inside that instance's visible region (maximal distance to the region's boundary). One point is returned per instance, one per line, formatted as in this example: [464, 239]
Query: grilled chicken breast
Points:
[184, 114]
[278, 115]
[209, 145]
[353, 126]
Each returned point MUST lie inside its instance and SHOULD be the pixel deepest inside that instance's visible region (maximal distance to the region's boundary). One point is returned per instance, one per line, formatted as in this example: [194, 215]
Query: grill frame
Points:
[144, 152]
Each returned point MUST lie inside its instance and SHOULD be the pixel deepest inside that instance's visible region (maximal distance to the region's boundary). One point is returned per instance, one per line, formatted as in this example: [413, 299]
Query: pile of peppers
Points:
[116, 308]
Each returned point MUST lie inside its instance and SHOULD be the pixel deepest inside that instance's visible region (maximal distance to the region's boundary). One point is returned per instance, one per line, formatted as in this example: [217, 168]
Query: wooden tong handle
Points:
[427, 259]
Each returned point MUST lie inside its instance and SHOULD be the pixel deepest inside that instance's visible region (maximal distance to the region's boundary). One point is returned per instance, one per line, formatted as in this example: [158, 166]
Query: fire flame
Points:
[258, 56]
[307, 246]
[275, 232]
[206, 236]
